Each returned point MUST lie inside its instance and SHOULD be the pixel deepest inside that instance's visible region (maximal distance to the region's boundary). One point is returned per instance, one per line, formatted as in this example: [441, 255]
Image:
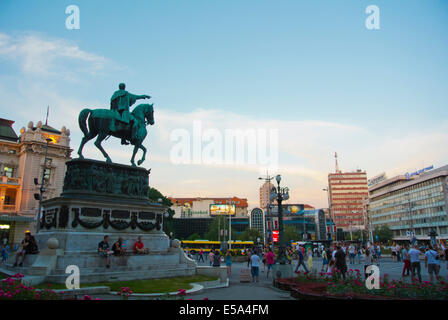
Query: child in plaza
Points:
[324, 261]
[229, 263]
[5, 253]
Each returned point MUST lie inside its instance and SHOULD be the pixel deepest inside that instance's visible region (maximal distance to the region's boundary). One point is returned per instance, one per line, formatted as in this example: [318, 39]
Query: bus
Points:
[194, 246]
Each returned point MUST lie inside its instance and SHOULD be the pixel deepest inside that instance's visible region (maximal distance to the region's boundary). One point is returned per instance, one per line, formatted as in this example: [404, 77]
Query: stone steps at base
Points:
[31, 271]
[110, 276]
[100, 269]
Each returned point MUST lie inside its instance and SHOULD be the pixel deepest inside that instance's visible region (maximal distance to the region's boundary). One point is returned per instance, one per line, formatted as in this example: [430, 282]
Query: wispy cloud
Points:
[38, 55]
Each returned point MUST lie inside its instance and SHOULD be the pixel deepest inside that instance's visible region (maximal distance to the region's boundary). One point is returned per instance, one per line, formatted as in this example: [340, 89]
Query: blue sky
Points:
[293, 63]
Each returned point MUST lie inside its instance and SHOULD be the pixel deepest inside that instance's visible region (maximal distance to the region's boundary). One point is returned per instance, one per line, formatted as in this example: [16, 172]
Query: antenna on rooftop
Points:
[336, 161]
[46, 120]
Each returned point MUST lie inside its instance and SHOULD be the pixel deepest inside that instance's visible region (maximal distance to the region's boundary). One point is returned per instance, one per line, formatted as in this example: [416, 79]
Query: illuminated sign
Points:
[4, 226]
[222, 209]
[417, 173]
[275, 236]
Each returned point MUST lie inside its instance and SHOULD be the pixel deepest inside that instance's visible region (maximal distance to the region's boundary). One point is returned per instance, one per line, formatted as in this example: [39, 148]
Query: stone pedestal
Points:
[101, 199]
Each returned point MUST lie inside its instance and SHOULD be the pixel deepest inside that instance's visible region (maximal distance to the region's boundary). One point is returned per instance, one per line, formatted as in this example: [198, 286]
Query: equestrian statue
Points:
[118, 122]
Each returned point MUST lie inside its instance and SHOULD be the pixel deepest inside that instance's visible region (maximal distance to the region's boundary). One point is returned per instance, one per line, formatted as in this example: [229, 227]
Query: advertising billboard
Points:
[222, 209]
[275, 236]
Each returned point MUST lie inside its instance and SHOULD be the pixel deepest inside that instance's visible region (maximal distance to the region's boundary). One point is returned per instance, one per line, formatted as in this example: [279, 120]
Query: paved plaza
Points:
[264, 290]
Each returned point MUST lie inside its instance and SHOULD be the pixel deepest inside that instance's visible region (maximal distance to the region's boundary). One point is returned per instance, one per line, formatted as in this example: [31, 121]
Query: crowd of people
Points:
[339, 255]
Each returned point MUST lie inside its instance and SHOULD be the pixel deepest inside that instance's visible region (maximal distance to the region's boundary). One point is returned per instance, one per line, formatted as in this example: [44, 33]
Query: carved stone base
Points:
[85, 177]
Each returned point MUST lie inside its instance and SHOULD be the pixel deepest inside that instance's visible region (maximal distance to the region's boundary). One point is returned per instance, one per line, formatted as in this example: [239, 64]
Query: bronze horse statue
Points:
[99, 124]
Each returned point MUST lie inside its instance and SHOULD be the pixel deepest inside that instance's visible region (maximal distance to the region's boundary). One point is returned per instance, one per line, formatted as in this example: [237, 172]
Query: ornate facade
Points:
[21, 162]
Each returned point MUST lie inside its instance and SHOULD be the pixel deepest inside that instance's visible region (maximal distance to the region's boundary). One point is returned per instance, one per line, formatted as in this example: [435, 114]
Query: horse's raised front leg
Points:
[98, 141]
[139, 162]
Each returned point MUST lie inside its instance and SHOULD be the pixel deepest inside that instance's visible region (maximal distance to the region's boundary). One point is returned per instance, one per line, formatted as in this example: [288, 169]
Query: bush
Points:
[12, 288]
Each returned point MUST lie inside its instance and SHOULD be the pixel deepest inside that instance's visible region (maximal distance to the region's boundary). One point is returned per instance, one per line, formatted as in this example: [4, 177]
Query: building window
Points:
[9, 172]
[47, 175]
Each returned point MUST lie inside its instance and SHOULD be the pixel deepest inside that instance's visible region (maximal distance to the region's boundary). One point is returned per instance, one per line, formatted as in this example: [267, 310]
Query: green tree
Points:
[384, 233]
[154, 196]
[250, 235]
[290, 233]
[194, 236]
[218, 222]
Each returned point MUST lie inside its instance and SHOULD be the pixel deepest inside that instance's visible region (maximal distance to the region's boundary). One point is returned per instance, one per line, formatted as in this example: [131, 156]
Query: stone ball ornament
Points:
[175, 243]
[53, 243]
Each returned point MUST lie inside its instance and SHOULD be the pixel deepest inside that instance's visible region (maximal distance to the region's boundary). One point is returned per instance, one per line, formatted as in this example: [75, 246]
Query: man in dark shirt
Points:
[117, 248]
[340, 263]
[104, 250]
[29, 246]
[300, 261]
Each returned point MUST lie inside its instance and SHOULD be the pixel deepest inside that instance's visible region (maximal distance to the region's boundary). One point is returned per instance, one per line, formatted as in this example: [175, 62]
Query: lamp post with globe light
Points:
[282, 267]
[282, 194]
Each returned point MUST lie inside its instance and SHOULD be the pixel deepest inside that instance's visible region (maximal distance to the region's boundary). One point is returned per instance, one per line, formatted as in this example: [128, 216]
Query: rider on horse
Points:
[120, 103]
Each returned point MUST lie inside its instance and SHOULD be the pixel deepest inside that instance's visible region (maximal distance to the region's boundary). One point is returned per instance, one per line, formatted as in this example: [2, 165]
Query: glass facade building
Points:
[412, 206]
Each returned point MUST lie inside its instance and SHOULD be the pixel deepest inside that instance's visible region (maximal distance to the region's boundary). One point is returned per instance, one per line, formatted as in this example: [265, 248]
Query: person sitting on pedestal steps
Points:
[29, 246]
[104, 250]
[139, 247]
[117, 248]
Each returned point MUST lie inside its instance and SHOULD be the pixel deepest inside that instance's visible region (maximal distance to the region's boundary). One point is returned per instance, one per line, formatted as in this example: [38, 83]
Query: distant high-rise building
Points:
[264, 194]
[347, 191]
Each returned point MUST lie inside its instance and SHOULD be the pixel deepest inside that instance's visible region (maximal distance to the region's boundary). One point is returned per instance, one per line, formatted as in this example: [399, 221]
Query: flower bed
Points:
[332, 286]
[12, 288]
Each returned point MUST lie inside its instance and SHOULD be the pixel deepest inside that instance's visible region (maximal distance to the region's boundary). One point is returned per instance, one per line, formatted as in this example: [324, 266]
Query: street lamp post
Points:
[230, 226]
[41, 189]
[282, 194]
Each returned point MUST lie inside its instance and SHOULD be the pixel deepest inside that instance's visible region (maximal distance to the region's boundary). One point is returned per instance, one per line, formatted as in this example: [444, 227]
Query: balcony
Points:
[9, 181]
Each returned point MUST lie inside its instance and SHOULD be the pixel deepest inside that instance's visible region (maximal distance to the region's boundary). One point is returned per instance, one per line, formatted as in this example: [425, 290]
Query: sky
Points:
[309, 70]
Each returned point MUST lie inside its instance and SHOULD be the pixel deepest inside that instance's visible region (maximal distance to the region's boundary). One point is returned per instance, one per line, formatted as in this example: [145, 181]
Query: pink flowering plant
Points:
[354, 283]
[12, 288]
[125, 292]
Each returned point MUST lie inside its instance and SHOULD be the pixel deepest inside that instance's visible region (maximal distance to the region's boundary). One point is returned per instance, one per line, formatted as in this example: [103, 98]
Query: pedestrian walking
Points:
[378, 253]
[351, 252]
[249, 254]
[340, 261]
[255, 266]
[432, 263]
[414, 255]
[406, 261]
[324, 261]
[201, 256]
[216, 259]
[310, 259]
[359, 252]
[229, 263]
[269, 256]
[210, 257]
[300, 261]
